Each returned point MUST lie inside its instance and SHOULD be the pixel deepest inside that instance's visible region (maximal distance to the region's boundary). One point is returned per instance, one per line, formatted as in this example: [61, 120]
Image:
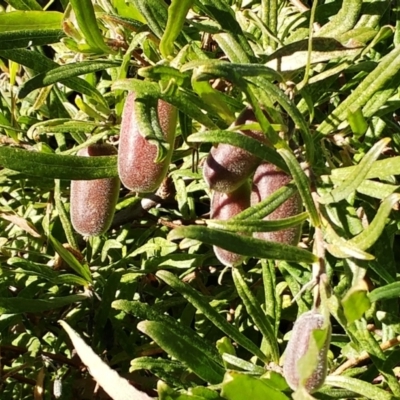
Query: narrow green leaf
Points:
[183, 350]
[39, 63]
[242, 364]
[86, 18]
[357, 176]
[266, 206]
[257, 315]
[203, 306]
[18, 305]
[375, 80]
[358, 386]
[221, 12]
[278, 96]
[182, 100]
[250, 225]
[155, 13]
[81, 269]
[17, 39]
[62, 73]
[343, 21]
[57, 166]
[379, 169]
[144, 311]
[370, 235]
[25, 5]
[302, 183]
[176, 18]
[390, 291]
[30, 21]
[239, 140]
[243, 245]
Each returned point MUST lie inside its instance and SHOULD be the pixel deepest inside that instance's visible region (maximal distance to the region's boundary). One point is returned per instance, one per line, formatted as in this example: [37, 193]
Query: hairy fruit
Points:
[227, 167]
[137, 168]
[298, 346]
[93, 202]
[267, 179]
[225, 206]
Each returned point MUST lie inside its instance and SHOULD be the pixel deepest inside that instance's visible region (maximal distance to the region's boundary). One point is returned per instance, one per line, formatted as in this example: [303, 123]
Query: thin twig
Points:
[365, 356]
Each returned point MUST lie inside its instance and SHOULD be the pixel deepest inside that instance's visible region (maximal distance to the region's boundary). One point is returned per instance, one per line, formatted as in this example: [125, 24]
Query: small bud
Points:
[298, 346]
[93, 202]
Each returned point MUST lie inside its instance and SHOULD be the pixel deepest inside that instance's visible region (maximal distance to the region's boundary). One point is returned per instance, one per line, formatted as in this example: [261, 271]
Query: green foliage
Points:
[148, 307]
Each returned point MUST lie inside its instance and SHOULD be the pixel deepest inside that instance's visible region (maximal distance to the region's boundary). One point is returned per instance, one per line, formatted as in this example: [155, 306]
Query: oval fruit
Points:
[137, 168]
[227, 167]
[93, 202]
[267, 179]
[223, 207]
[298, 346]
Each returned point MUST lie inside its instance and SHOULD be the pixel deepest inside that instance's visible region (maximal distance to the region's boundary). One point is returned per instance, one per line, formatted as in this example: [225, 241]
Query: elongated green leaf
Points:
[266, 206]
[379, 169]
[251, 225]
[208, 69]
[361, 387]
[357, 176]
[87, 23]
[181, 100]
[28, 266]
[18, 305]
[217, 319]
[256, 314]
[183, 350]
[30, 21]
[221, 12]
[40, 63]
[81, 269]
[144, 311]
[57, 166]
[303, 184]
[370, 235]
[343, 21]
[294, 55]
[18, 39]
[278, 96]
[155, 13]
[246, 246]
[239, 140]
[25, 5]
[242, 364]
[231, 47]
[59, 74]
[376, 80]
[176, 18]
[390, 291]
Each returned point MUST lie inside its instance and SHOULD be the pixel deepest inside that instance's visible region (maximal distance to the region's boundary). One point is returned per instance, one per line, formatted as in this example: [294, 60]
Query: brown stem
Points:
[365, 356]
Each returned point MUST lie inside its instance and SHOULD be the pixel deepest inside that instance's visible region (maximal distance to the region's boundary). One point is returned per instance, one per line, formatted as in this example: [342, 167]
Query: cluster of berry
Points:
[227, 171]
